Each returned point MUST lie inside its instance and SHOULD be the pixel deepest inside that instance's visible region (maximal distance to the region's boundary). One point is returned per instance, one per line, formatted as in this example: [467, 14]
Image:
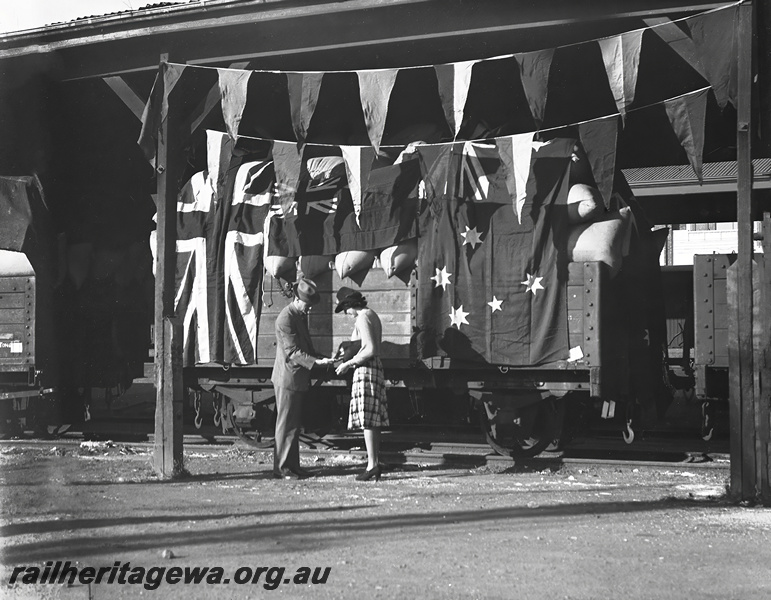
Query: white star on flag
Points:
[533, 284]
[458, 317]
[495, 304]
[471, 236]
[442, 278]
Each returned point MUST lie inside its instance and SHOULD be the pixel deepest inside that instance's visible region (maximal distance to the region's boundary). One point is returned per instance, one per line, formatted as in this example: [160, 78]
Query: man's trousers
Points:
[286, 452]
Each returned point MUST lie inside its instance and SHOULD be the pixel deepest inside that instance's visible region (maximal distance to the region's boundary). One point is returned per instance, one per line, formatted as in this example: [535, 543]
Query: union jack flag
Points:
[480, 178]
[311, 223]
[220, 240]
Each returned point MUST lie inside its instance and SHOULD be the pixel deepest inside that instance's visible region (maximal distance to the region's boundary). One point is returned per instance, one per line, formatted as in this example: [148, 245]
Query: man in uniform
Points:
[291, 377]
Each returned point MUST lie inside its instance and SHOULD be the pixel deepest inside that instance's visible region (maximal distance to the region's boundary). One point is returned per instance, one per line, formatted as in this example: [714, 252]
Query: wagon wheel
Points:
[253, 438]
[524, 432]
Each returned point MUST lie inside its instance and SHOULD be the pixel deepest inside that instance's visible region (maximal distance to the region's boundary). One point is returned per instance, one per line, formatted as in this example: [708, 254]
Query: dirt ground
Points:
[423, 531]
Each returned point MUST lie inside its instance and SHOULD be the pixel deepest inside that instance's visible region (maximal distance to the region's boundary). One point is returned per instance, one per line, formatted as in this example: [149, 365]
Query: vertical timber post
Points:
[743, 434]
[168, 453]
[764, 357]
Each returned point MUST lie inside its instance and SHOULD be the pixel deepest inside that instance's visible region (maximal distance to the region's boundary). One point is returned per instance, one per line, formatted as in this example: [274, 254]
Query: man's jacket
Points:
[294, 350]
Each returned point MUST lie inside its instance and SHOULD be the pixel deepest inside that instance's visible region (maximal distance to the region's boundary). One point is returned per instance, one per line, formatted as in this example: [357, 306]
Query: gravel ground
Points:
[423, 531]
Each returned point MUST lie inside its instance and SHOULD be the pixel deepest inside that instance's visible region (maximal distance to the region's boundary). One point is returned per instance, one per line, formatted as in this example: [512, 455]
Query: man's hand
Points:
[323, 362]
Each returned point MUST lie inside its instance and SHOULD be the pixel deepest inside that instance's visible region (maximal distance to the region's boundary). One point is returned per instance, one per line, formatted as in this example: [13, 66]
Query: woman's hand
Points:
[342, 368]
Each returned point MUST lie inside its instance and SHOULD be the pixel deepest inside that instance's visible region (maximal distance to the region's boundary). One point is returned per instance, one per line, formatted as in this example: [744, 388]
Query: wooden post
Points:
[168, 453]
[741, 368]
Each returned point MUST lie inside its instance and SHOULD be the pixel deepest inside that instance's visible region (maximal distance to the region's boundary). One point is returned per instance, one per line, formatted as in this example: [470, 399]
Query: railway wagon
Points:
[711, 274]
[28, 353]
[697, 308]
[521, 410]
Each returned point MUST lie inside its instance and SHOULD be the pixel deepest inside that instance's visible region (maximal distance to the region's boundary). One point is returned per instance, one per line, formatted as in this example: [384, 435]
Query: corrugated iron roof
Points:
[717, 171]
[123, 12]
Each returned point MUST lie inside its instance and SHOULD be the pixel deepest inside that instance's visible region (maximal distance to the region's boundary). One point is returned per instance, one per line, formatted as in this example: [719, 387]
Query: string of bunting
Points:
[686, 113]
[708, 45]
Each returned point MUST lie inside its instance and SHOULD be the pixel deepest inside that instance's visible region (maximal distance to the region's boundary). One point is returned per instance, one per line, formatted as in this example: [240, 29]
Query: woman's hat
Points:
[346, 297]
[305, 290]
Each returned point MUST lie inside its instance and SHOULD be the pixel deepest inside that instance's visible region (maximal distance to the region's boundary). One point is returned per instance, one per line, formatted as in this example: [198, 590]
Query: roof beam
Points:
[133, 27]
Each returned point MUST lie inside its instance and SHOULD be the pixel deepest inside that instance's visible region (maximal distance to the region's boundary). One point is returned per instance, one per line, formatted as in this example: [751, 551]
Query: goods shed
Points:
[677, 79]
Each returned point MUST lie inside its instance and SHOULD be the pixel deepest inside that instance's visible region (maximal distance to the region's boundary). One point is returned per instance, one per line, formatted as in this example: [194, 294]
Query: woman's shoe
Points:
[369, 474]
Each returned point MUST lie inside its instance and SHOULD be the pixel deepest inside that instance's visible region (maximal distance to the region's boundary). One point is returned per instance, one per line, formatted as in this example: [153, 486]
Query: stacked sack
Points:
[596, 234]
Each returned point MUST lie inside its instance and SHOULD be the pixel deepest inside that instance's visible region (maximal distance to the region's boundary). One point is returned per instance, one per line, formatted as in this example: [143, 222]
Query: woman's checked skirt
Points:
[369, 406]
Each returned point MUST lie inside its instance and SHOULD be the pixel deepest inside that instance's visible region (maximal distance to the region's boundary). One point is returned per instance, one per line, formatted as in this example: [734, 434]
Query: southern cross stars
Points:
[458, 316]
[442, 278]
[472, 237]
[495, 304]
[533, 284]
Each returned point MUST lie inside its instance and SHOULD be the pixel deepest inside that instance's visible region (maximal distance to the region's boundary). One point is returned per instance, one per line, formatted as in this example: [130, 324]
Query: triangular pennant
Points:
[715, 36]
[219, 152]
[287, 161]
[687, 115]
[233, 87]
[454, 80]
[358, 164]
[157, 107]
[304, 91]
[171, 75]
[515, 152]
[621, 55]
[710, 49]
[599, 139]
[435, 165]
[534, 70]
[375, 92]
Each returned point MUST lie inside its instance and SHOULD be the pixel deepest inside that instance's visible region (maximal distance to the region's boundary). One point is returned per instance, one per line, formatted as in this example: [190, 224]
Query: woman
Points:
[368, 409]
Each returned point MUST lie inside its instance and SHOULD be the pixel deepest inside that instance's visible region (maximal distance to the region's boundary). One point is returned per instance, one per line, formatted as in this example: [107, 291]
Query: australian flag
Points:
[221, 214]
[492, 273]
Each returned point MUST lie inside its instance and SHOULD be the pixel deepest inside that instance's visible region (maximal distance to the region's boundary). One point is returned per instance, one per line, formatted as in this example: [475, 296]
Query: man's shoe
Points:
[287, 475]
[305, 472]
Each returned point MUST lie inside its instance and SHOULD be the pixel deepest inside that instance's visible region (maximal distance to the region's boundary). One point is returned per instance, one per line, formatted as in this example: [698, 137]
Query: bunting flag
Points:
[707, 42]
[304, 91]
[490, 287]
[687, 115]
[710, 48]
[454, 81]
[157, 107]
[435, 166]
[515, 152]
[358, 163]
[599, 139]
[621, 55]
[278, 260]
[714, 34]
[220, 242]
[375, 92]
[388, 208]
[219, 153]
[287, 161]
[534, 70]
[233, 87]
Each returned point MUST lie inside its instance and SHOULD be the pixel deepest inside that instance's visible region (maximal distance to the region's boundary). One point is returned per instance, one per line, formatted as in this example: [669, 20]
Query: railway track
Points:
[420, 447]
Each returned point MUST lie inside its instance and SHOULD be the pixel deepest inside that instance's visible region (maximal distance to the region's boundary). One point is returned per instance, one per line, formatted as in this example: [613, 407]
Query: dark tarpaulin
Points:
[25, 223]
